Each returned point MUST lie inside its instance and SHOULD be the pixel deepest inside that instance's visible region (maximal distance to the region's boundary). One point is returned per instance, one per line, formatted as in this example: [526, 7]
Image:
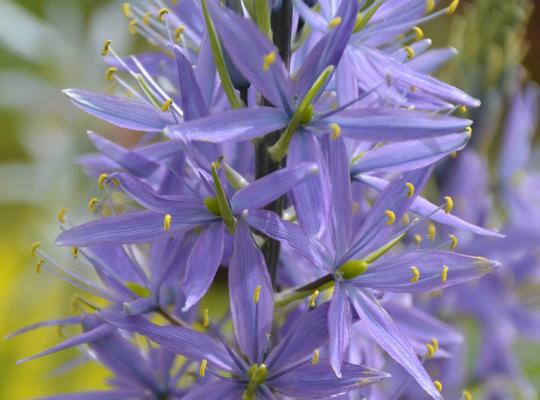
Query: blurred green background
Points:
[45, 46]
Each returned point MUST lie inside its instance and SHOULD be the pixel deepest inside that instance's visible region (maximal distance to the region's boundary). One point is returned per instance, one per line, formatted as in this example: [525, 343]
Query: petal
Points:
[202, 264]
[125, 113]
[98, 395]
[270, 187]
[314, 19]
[384, 331]
[252, 317]
[432, 60]
[395, 274]
[233, 125]
[219, 390]
[53, 322]
[412, 154]
[319, 381]
[339, 327]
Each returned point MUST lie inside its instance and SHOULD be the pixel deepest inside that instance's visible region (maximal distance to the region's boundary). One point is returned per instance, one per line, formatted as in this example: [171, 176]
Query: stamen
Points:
[34, 248]
[410, 187]
[206, 318]
[417, 239]
[435, 344]
[39, 265]
[416, 274]
[178, 33]
[101, 180]
[74, 252]
[202, 368]
[110, 72]
[257, 294]
[430, 5]
[410, 52]
[336, 130]
[315, 358]
[406, 219]
[418, 33]
[167, 222]
[166, 105]
[132, 27]
[161, 14]
[444, 274]
[454, 241]
[146, 18]
[467, 395]
[438, 385]
[449, 204]
[62, 215]
[313, 299]
[92, 204]
[334, 22]
[126, 9]
[453, 154]
[391, 217]
[432, 231]
[268, 60]
[430, 351]
[106, 46]
[452, 7]
[462, 109]
[468, 130]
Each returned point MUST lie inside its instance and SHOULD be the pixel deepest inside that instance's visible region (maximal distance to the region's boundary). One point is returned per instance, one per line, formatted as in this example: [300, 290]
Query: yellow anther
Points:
[110, 72]
[467, 395]
[415, 274]
[101, 180]
[355, 207]
[106, 47]
[167, 222]
[410, 188]
[413, 89]
[418, 33]
[313, 299]
[39, 265]
[268, 60]
[391, 217]
[435, 344]
[206, 318]
[315, 358]
[417, 239]
[453, 154]
[438, 385]
[132, 27]
[468, 130]
[178, 33]
[452, 7]
[430, 351]
[74, 252]
[202, 368]
[126, 9]
[334, 22]
[62, 215]
[449, 204]
[462, 109]
[406, 219]
[146, 17]
[257, 294]
[430, 5]
[161, 14]
[444, 274]
[335, 129]
[410, 52]
[454, 241]
[174, 2]
[432, 231]
[92, 204]
[34, 248]
[166, 105]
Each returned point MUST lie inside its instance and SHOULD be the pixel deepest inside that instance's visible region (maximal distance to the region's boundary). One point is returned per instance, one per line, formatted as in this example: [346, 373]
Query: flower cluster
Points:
[285, 148]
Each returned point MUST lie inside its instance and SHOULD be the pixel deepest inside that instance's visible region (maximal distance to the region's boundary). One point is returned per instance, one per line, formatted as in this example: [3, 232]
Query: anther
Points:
[313, 299]
[462, 109]
[467, 395]
[430, 351]
[146, 17]
[101, 180]
[106, 47]
[430, 5]
[206, 318]
[268, 60]
[167, 222]
[406, 219]
[166, 105]
[62, 215]
[257, 294]
[417, 239]
[315, 358]
[432, 231]
[132, 27]
[418, 33]
[435, 344]
[92, 204]
[39, 265]
[34, 248]
[444, 274]
[110, 72]
[452, 7]
[334, 22]
[335, 130]
[126, 9]
[453, 154]
[454, 241]
[161, 14]
[449, 204]
[202, 368]
[178, 33]
[391, 217]
[74, 252]
[410, 52]
[415, 274]
[410, 188]
[468, 130]
[438, 385]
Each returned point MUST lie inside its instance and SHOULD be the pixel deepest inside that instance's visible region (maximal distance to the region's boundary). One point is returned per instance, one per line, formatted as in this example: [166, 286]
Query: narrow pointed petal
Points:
[219, 390]
[233, 125]
[339, 327]
[425, 208]
[54, 322]
[252, 315]
[319, 381]
[409, 155]
[384, 331]
[270, 187]
[430, 61]
[202, 264]
[125, 113]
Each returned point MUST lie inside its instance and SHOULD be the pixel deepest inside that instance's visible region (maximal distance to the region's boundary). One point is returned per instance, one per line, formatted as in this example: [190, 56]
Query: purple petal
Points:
[219, 390]
[339, 327]
[54, 322]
